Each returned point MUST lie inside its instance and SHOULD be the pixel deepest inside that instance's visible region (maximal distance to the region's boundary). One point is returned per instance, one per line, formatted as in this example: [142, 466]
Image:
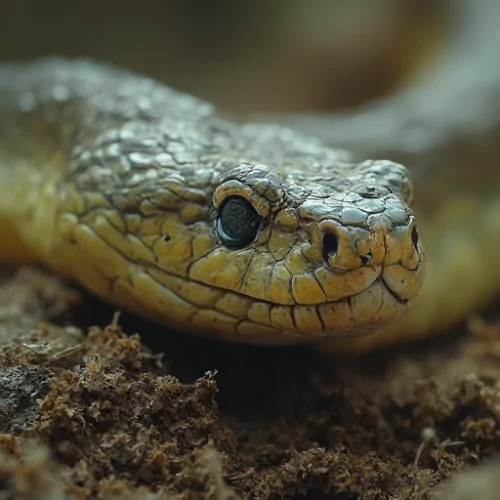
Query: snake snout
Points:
[344, 248]
[403, 245]
[403, 270]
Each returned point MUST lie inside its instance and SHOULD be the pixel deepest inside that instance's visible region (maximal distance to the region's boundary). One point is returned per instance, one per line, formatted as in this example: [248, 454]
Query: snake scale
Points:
[259, 232]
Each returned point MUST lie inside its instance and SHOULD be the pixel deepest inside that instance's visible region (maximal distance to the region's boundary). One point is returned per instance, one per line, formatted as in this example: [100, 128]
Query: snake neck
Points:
[28, 206]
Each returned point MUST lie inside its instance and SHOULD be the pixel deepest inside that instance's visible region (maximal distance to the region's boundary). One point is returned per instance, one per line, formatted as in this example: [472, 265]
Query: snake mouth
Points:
[229, 314]
[356, 314]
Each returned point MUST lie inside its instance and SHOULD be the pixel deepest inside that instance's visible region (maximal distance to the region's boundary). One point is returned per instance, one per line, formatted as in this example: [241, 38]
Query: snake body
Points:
[253, 232]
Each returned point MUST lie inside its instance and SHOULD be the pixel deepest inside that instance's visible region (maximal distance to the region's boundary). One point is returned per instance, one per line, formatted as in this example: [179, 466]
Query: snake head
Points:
[306, 256]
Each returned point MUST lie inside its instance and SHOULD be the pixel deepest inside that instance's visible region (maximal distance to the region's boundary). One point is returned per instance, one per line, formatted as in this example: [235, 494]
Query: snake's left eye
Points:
[238, 222]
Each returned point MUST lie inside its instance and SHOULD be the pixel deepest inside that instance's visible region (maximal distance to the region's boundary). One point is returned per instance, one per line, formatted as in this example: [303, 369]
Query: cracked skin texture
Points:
[116, 181]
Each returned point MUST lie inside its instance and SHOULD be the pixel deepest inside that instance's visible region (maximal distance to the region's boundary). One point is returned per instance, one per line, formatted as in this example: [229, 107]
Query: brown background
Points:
[259, 55]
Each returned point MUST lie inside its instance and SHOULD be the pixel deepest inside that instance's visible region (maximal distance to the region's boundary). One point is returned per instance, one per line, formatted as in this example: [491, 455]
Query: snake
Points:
[358, 230]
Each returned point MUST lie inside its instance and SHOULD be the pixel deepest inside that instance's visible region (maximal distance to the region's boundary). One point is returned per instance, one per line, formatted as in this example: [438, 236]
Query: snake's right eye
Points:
[238, 222]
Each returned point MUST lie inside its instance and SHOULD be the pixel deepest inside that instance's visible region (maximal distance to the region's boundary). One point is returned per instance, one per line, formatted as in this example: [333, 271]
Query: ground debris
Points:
[90, 412]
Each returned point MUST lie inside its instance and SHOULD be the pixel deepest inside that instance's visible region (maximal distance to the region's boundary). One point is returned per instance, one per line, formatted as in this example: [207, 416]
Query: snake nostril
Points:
[365, 258]
[414, 238]
[330, 246]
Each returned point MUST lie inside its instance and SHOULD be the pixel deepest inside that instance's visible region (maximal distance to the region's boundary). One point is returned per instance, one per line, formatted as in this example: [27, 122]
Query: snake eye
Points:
[238, 222]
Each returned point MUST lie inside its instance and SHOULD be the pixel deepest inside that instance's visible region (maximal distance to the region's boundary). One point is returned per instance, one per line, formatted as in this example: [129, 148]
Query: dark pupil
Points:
[238, 222]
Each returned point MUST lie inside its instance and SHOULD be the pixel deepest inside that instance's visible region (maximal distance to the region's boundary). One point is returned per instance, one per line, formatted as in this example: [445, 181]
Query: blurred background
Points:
[264, 55]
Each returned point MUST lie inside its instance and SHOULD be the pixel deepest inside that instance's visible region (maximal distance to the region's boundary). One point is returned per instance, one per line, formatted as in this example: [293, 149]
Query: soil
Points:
[102, 412]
